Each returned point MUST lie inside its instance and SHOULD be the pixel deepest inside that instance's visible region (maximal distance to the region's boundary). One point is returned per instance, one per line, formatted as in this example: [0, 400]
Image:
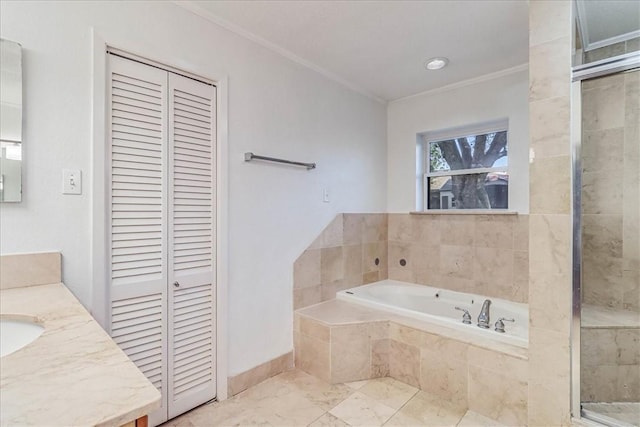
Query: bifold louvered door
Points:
[162, 213]
[191, 243]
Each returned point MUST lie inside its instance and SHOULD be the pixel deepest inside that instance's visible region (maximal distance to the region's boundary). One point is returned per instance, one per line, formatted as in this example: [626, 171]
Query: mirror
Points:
[10, 121]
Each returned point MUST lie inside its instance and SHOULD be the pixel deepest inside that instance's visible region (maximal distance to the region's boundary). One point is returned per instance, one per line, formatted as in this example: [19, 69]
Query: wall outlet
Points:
[71, 181]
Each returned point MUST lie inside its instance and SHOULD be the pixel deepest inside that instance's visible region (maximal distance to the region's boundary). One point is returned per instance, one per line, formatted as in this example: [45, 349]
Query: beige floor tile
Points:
[432, 410]
[473, 419]
[356, 385]
[389, 392]
[328, 420]
[320, 393]
[361, 410]
[403, 420]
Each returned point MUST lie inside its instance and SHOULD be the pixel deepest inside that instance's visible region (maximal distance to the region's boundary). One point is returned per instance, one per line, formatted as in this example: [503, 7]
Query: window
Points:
[466, 168]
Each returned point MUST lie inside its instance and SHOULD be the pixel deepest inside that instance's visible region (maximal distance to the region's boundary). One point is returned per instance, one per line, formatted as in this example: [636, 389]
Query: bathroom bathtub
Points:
[436, 305]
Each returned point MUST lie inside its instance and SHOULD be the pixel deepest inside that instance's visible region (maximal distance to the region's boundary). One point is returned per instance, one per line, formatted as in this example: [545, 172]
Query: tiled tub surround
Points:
[339, 342]
[472, 253]
[343, 256]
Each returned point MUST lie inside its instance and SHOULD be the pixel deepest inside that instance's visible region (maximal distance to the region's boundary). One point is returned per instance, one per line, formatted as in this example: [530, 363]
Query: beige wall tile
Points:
[550, 68]
[371, 252]
[307, 296]
[603, 150]
[375, 228]
[331, 264]
[399, 251]
[400, 227]
[372, 276]
[352, 229]
[598, 347]
[550, 117]
[495, 265]
[549, 403]
[352, 255]
[380, 350]
[332, 235]
[313, 356]
[456, 261]
[443, 376]
[513, 367]
[30, 269]
[603, 106]
[549, 20]
[550, 357]
[457, 230]
[599, 196]
[404, 363]
[604, 52]
[350, 353]
[598, 383]
[494, 231]
[521, 233]
[403, 274]
[602, 234]
[314, 329]
[426, 229]
[507, 400]
[628, 384]
[520, 290]
[306, 269]
[550, 272]
[550, 185]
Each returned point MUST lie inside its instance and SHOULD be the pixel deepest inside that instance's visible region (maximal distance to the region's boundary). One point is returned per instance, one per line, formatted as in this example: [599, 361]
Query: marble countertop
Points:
[73, 374]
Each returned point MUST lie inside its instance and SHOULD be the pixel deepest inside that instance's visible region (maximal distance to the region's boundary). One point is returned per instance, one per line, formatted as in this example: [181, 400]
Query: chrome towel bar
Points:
[250, 156]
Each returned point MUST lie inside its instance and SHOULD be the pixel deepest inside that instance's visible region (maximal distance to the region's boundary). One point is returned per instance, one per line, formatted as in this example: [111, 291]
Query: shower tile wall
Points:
[343, 256]
[611, 191]
[480, 254]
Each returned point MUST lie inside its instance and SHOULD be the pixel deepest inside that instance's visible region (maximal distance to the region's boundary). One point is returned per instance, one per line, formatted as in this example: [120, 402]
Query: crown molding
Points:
[194, 7]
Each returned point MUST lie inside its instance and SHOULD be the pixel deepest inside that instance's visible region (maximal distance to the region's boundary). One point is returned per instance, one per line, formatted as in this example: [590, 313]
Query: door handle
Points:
[176, 284]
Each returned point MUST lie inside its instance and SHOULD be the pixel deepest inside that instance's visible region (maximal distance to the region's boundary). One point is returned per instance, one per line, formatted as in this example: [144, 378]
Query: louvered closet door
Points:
[138, 215]
[192, 245]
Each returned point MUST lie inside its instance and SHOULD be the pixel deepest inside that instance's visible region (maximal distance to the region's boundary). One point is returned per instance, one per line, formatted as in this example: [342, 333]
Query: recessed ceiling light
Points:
[436, 63]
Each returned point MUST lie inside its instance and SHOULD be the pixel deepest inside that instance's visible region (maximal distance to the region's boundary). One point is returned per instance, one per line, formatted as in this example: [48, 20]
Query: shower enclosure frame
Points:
[579, 73]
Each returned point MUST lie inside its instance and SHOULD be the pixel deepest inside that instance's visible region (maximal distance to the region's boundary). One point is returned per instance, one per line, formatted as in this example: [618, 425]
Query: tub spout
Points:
[483, 317]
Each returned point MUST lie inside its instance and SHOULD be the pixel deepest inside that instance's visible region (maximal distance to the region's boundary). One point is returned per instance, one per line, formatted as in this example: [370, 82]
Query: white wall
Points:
[276, 107]
[506, 96]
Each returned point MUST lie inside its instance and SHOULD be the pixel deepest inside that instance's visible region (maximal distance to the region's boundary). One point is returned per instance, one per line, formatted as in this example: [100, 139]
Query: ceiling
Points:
[379, 47]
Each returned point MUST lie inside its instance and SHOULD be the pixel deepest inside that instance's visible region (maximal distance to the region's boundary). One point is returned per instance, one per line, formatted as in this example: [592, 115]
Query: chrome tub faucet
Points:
[483, 317]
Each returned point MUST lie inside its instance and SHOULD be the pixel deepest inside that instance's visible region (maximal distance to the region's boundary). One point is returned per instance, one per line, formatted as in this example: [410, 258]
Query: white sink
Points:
[15, 334]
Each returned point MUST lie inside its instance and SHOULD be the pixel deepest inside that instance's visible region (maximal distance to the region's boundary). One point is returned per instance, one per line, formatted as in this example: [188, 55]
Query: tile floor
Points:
[295, 398]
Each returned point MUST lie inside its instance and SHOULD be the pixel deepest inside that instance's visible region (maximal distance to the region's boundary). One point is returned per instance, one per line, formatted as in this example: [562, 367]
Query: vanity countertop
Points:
[73, 374]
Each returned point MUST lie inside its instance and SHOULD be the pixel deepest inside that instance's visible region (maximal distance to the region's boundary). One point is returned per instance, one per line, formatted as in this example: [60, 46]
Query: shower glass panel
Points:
[610, 218]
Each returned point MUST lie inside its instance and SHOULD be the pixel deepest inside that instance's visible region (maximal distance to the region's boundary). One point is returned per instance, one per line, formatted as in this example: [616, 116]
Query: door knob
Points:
[176, 284]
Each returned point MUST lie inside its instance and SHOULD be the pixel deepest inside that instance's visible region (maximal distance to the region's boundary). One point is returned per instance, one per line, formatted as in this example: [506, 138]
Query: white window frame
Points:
[424, 161]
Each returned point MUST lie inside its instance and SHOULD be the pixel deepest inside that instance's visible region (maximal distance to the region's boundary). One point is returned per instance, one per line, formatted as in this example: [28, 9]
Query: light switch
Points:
[71, 181]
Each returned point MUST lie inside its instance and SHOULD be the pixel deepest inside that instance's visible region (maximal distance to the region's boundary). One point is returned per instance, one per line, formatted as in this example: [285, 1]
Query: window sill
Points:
[465, 212]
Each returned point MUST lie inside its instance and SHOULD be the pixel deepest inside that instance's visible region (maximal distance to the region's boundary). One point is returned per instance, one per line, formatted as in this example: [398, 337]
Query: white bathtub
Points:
[437, 306]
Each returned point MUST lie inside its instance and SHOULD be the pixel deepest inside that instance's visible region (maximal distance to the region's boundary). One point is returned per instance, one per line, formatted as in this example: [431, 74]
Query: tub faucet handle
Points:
[466, 317]
[500, 324]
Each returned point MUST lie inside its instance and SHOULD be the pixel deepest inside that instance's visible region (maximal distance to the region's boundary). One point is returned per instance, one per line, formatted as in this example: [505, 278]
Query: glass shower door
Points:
[610, 217]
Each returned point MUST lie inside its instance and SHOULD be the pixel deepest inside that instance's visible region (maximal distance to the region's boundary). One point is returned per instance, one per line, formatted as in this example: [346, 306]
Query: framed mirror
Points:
[10, 121]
